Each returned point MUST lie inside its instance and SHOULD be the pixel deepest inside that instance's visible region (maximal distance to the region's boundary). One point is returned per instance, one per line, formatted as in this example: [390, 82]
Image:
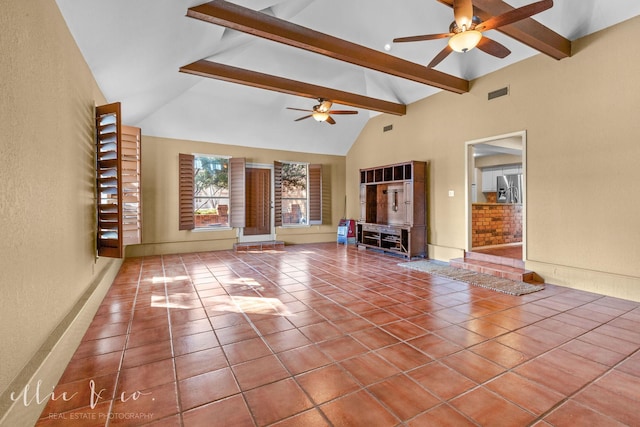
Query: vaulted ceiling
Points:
[225, 72]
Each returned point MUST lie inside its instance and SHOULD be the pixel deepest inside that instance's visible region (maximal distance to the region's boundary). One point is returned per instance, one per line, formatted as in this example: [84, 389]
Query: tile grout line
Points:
[124, 349]
[213, 329]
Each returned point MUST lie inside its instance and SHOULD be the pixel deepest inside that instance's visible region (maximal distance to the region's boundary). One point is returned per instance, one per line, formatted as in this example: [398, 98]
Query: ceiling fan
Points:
[322, 112]
[465, 32]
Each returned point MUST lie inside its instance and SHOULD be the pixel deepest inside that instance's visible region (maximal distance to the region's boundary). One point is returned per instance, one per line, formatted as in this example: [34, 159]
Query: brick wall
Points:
[495, 224]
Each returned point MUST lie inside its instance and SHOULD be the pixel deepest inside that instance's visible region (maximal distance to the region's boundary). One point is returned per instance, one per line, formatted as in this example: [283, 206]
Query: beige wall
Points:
[580, 115]
[160, 197]
[581, 118]
[47, 262]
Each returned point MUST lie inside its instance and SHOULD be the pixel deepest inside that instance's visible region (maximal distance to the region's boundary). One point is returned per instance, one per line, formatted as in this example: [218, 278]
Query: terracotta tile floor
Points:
[321, 335]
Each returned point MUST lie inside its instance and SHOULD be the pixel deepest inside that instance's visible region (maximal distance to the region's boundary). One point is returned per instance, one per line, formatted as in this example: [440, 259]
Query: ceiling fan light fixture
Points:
[464, 41]
[324, 106]
[320, 116]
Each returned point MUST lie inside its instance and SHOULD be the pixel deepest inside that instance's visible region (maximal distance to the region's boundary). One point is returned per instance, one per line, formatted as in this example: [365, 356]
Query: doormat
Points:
[511, 287]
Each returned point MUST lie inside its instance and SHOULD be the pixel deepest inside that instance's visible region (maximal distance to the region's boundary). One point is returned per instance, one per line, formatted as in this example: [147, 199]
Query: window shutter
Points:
[277, 193]
[186, 187]
[315, 194]
[237, 182]
[118, 182]
[130, 172]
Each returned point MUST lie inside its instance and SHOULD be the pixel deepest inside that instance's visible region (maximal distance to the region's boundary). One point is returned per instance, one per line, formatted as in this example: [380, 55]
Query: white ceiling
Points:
[135, 48]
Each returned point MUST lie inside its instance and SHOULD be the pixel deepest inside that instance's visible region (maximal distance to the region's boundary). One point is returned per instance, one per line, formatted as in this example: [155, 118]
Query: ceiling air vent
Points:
[387, 128]
[498, 93]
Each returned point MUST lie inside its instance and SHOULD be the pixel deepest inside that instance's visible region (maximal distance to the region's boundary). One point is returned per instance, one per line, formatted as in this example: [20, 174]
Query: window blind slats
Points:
[315, 194]
[108, 129]
[130, 166]
[237, 193]
[186, 188]
[118, 181]
[277, 193]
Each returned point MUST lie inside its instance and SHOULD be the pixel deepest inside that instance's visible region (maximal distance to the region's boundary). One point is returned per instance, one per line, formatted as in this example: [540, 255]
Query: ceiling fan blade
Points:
[463, 13]
[492, 47]
[422, 38]
[440, 56]
[302, 118]
[299, 109]
[330, 120]
[515, 15]
[342, 112]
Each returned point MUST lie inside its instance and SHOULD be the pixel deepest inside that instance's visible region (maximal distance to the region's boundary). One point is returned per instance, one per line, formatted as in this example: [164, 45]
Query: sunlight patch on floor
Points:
[249, 305]
[162, 279]
[179, 300]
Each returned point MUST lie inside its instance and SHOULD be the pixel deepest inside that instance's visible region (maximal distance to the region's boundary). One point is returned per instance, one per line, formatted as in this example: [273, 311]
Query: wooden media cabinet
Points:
[393, 209]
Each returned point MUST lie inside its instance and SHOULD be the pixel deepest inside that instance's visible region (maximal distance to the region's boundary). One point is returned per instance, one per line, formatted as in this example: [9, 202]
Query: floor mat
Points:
[498, 284]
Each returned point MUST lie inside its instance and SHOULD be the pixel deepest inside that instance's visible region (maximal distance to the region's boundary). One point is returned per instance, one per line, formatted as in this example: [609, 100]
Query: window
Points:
[211, 192]
[298, 193]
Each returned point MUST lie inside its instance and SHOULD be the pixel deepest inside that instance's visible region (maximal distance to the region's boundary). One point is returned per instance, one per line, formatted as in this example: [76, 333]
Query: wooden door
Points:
[258, 207]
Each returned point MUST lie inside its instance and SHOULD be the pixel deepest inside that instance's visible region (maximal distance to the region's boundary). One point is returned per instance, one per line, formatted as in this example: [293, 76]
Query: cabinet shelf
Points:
[393, 210]
[390, 173]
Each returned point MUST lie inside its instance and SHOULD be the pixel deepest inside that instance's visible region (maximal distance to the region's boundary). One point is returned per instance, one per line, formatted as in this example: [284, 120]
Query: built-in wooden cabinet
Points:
[393, 209]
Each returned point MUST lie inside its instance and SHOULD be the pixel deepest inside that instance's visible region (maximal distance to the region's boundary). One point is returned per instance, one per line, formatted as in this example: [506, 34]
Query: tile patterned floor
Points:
[327, 335]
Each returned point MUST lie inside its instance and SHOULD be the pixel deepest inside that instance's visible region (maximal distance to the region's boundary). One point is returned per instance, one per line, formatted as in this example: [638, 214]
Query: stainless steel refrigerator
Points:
[509, 189]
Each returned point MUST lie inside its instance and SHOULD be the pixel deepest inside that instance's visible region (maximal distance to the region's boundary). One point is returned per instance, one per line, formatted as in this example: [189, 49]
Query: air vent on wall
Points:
[498, 93]
[387, 128]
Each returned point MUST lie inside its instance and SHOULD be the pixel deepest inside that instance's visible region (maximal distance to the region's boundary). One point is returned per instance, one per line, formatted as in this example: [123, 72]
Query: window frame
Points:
[212, 156]
[186, 192]
[313, 195]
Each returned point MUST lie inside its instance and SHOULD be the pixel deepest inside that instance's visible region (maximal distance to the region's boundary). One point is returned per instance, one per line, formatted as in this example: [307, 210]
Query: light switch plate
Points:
[451, 193]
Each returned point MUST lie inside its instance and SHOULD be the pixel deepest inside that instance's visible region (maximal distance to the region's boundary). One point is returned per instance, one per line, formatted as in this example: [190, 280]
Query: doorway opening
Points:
[259, 206]
[489, 162]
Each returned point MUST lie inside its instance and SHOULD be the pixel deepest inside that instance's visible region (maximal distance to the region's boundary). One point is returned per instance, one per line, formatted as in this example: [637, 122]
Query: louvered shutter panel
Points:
[108, 133]
[277, 193]
[186, 188]
[118, 182]
[315, 194]
[237, 194]
[130, 182]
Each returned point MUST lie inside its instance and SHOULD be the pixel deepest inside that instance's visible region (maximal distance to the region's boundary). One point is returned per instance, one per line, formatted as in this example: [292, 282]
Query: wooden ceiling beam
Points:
[528, 31]
[232, 74]
[252, 22]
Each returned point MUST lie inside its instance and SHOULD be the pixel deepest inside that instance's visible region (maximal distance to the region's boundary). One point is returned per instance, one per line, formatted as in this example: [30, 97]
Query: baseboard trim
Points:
[154, 249]
[604, 283]
[444, 253]
[48, 364]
